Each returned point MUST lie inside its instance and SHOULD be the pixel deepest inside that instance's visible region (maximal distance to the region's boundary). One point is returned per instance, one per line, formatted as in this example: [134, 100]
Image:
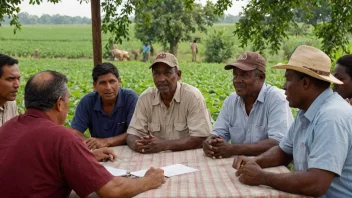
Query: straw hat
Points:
[311, 61]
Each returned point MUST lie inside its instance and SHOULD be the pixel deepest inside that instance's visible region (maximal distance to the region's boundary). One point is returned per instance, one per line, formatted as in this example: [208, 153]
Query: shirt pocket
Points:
[238, 135]
[259, 133]
[182, 129]
[153, 128]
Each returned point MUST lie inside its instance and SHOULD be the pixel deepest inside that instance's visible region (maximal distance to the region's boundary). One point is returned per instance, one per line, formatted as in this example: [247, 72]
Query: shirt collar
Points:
[119, 102]
[315, 106]
[177, 95]
[261, 96]
[37, 114]
[2, 109]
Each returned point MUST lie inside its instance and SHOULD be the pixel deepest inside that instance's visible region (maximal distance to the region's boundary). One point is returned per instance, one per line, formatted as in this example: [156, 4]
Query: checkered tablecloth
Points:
[215, 178]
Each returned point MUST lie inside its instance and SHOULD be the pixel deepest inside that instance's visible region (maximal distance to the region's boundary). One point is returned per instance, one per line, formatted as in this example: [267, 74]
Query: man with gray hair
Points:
[48, 159]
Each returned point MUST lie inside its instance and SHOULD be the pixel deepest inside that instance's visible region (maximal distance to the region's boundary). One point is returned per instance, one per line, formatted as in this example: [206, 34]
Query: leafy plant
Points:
[218, 47]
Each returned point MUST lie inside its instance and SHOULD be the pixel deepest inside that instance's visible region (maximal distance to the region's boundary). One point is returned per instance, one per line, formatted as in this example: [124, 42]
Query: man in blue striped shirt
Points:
[255, 118]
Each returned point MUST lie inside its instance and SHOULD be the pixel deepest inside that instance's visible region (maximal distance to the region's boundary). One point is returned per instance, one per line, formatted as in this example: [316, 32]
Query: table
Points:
[215, 178]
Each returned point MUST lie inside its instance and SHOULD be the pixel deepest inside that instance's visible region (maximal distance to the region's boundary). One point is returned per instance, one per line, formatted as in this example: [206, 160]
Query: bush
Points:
[218, 47]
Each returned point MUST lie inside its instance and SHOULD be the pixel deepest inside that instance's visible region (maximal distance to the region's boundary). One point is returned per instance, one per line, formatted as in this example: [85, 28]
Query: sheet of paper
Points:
[169, 171]
[116, 172]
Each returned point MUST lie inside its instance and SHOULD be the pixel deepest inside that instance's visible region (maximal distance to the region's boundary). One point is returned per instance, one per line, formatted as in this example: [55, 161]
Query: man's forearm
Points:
[254, 149]
[273, 157]
[131, 141]
[186, 143]
[117, 140]
[301, 182]
[124, 187]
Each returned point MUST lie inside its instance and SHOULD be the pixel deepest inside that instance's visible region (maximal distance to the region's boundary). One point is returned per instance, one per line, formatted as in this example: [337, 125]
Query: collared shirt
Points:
[47, 160]
[270, 117]
[186, 116]
[8, 111]
[90, 114]
[321, 138]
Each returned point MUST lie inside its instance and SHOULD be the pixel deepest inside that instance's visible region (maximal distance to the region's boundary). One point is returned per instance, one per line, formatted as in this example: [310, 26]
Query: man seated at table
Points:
[49, 160]
[172, 116]
[255, 118]
[319, 141]
[9, 85]
[107, 111]
[343, 72]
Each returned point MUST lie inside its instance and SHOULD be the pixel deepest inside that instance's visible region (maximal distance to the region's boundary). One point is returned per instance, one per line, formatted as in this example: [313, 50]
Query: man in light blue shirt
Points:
[255, 118]
[146, 52]
[320, 139]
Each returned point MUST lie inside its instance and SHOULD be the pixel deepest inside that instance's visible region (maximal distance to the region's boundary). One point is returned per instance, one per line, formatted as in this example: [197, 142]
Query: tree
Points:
[170, 23]
[265, 22]
[218, 47]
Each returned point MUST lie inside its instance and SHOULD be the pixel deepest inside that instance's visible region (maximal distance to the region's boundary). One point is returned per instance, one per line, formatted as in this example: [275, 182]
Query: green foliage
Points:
[169, 23]
[219, 47]
[265, 23]
[290, 44]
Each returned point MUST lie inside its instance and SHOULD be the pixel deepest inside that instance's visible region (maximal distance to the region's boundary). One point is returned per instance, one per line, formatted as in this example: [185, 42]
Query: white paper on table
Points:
[116, 172]
[169, 171]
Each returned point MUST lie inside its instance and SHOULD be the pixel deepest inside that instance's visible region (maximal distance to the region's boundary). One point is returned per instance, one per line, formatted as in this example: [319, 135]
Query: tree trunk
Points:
[96, 31]
[173, 47]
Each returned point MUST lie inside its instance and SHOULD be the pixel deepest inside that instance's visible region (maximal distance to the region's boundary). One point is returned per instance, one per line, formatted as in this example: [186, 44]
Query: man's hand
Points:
[149, 144]
[155, 177]
[104, 154]
[251, 174]
[95, 143]
[216, 147]
[240, 161]
[349, 100]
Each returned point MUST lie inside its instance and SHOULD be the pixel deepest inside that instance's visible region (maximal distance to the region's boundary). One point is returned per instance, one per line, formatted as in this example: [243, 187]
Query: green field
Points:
[68, 49]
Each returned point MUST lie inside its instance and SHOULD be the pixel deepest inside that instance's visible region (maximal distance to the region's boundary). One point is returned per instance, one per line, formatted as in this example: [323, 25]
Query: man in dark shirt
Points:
[107, 111]
[41, 158]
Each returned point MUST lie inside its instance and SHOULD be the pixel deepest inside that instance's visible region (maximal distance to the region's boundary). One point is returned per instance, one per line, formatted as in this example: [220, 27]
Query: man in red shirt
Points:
[41, 158]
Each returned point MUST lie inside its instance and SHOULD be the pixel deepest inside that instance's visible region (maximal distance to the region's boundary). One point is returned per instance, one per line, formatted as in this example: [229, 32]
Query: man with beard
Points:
[171, 116]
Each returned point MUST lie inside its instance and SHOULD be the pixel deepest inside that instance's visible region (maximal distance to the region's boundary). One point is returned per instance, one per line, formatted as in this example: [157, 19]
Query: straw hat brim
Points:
[329, 78]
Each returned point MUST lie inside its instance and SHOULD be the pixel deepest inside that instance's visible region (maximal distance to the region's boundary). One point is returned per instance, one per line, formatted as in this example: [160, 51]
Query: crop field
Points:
[68, 49]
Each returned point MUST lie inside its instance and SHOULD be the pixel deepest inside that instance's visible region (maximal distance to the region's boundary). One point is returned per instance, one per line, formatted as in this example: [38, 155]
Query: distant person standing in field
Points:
[146, 52]
[107, 111]
[9, 85]
[255, 118]
[343, 72]
[194, 48]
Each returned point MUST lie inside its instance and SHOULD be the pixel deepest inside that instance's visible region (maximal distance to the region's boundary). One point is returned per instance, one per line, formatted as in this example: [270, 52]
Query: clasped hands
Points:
[215, 147]
[149, 144]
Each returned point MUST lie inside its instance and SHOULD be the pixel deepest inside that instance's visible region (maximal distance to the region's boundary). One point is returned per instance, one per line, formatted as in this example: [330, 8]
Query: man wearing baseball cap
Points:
[319, 141]
[171, 116]
[255, 118]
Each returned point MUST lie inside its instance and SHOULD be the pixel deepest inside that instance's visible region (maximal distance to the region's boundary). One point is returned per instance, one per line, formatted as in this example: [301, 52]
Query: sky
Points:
[74, 8]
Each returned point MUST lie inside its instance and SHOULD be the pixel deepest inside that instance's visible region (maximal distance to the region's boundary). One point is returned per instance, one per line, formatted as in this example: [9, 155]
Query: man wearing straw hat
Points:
[320, 139]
